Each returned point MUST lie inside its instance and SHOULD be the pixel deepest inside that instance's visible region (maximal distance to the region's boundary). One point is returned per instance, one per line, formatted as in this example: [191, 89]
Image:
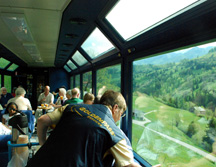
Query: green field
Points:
[174, 123]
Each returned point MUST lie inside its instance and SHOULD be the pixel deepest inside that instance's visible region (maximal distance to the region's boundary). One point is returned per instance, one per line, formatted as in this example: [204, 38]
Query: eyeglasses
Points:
[12, 109]
[123, 115]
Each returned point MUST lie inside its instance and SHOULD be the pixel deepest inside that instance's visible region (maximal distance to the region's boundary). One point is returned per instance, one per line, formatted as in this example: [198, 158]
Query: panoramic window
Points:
[7, 83]
[96, 44]
[3, 63]
[108, 78]
[13, 67]
[71, 82]
[77, 81]
[67, 68]
[87, 82]
[132, 17]
[174, 107]
[79, 59]
[71, 65]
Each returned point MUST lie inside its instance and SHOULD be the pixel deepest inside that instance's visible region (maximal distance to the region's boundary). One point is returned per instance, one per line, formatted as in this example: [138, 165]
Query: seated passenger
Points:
[9, 112]
[4, 97]
[88, 98]
[46, 97]
[4, 130]
[61, 99]
[96, 135]
[22, 102]
[69, 94]
[75, 97]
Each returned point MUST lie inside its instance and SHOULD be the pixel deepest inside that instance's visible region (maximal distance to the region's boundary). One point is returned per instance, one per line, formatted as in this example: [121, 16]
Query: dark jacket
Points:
[80, 139]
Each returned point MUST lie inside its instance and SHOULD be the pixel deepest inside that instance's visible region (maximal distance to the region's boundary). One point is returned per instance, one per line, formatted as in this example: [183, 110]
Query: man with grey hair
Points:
[75, 97]
[4, 97]
[22, 102]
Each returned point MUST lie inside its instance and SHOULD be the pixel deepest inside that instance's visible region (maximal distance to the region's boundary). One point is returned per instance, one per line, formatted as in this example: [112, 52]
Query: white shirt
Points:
[22, 102]
[58, 102]
[4, 130]
[49, 98]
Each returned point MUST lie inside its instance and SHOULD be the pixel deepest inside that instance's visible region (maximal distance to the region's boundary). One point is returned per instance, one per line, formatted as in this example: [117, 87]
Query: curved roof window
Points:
[71, 65]
[3, 63]
[13, 67]
[67, 68]
[130, 18]
[79, 59]
[97, 44]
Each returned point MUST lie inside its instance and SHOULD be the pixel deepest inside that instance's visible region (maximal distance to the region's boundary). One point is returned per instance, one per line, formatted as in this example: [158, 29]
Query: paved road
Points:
[192, 148]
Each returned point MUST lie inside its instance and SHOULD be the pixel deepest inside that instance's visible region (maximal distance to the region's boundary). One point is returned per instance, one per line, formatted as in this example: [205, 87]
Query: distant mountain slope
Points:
[175, 56]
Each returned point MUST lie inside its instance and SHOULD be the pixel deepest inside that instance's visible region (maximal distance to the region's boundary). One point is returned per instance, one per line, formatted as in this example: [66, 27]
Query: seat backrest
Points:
[1, 114]
[31, 118]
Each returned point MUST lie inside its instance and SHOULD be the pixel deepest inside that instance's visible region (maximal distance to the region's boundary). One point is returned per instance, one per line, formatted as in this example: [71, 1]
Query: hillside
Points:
[182, 85]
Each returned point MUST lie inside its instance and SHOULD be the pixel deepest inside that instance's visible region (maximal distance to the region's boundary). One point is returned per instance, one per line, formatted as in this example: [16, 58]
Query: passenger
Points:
[84, 136]
[22, 102]
[69, 94]
[46, 97]
[88, 98]
[4, 130]
[4, 97]
[61, 99]
[9, 112]
[75, 97]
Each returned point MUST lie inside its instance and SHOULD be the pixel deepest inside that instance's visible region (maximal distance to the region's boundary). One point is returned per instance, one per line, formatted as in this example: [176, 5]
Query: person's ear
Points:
[115, 108]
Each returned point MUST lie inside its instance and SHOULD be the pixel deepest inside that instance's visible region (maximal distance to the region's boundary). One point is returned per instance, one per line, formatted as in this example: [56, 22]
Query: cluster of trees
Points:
[183, 85]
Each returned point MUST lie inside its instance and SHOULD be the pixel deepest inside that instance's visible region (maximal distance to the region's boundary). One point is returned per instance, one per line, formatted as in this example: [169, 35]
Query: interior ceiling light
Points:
[71, 36]
[18, 25]
[78, 21]
[31, 48]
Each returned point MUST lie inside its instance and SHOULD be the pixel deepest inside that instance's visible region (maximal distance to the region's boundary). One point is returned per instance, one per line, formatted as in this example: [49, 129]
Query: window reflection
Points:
[174, 107]
[108, 78]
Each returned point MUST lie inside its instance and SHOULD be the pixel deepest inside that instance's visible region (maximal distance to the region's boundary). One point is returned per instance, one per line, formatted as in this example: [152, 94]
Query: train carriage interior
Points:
[161, 55]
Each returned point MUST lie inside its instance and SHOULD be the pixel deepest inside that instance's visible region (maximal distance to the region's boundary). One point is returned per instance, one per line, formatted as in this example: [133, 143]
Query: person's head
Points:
[62, 92]
[20, 92]
[3, 90]
[75, 93]
[115, 102]
[46, 90]
[69, 94]
[11, 108]
[88, 98]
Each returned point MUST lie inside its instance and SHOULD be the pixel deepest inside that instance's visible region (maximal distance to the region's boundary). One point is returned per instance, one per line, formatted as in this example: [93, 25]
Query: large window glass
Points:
[131, 17]
[79, 59]
[87, 82]
[77, 81]
[7, 83]
[71, 82]
[3, 62]
[13, 67]
[174, 108]
[108, 78]
[96, 44]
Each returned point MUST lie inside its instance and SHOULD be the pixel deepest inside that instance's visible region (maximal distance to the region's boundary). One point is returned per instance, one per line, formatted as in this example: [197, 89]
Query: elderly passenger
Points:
[96, 135]
[75, 97]
[61, 99]
[46, 97]
[4, 97]
[22, 102]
